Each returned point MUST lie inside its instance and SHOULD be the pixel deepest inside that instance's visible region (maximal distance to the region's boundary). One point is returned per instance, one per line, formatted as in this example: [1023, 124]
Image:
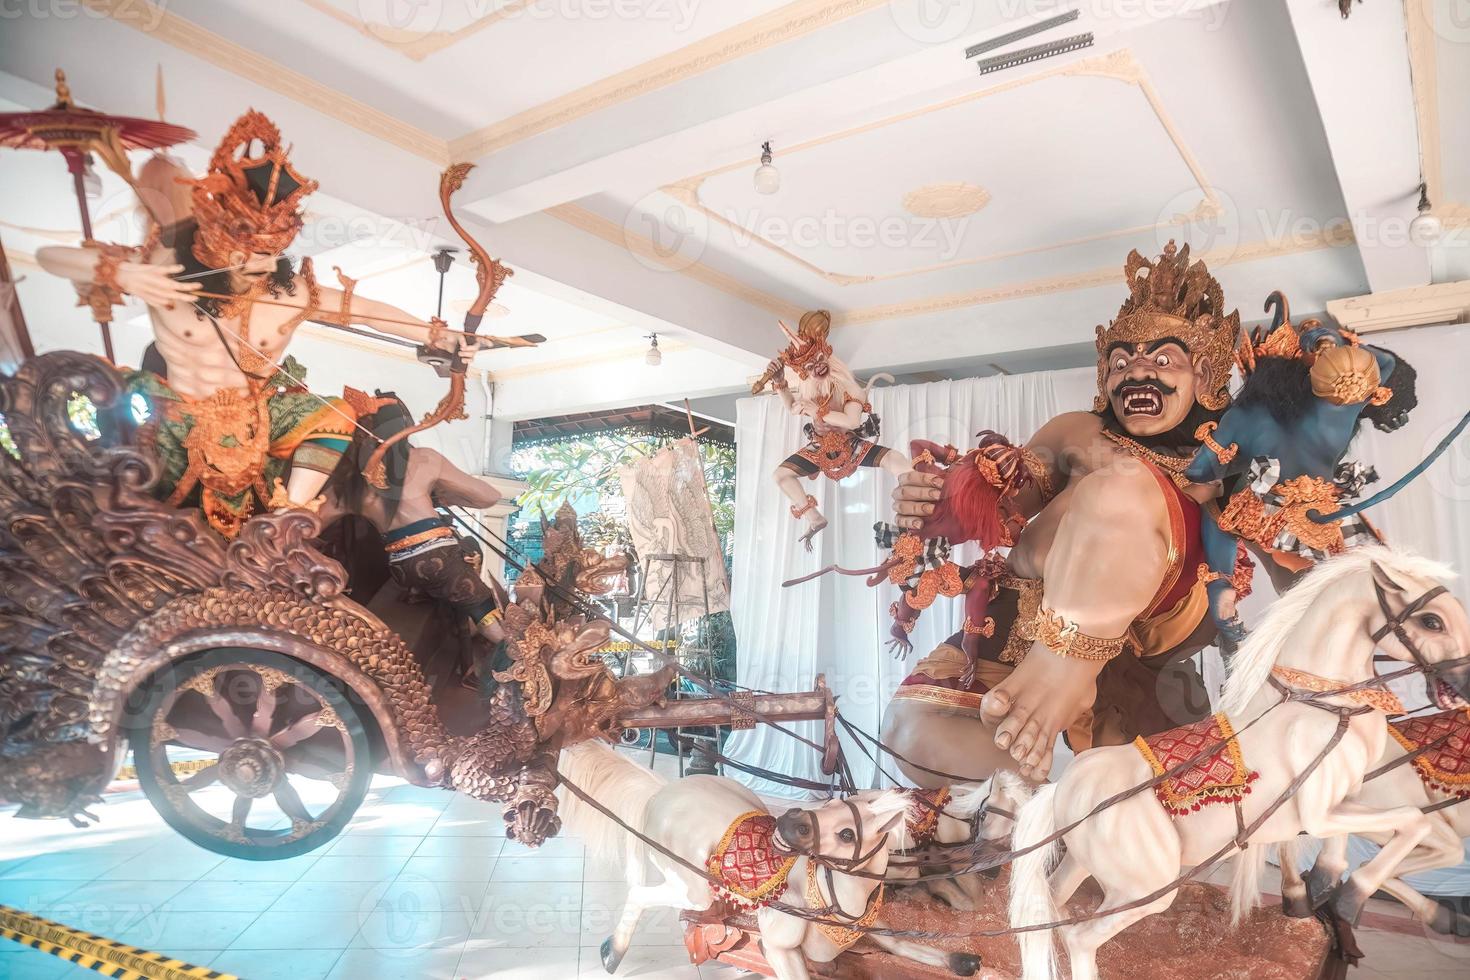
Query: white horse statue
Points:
[1437, 777]
[718, 824]
[947, 816]
[1320, 636]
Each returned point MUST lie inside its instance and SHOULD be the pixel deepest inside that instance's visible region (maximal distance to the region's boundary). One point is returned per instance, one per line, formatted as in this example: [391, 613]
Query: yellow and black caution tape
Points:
[97, 953]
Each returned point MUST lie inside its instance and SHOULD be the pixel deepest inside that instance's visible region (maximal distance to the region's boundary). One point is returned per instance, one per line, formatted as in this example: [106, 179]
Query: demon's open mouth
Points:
[1141, 399]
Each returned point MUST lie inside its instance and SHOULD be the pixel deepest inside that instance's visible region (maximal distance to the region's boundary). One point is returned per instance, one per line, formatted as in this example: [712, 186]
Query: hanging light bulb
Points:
[767, 177]
[654, 357]
[1426, 227]
[91, 182]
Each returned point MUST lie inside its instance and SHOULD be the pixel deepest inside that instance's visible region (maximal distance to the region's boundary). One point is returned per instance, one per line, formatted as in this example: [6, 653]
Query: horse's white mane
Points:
[966, 799]
[1252, 664]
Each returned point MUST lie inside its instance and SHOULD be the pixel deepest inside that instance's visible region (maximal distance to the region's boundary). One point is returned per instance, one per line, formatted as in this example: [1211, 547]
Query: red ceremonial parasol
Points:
[78, 133]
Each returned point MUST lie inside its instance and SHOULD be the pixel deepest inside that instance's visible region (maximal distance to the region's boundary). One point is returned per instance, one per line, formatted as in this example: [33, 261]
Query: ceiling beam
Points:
[1358, 70]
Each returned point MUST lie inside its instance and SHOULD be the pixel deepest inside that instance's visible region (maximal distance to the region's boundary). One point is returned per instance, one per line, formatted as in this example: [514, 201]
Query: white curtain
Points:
[837, 625]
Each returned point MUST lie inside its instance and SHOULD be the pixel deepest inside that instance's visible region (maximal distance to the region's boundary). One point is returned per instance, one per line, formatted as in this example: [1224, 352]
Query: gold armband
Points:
[1039, 474]
[986, 629]
[104, 292]
[1205, 434]
[1062, 637]
[490, 618]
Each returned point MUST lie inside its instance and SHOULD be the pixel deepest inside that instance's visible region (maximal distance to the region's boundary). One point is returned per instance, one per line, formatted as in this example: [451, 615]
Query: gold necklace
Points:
[1174, 466]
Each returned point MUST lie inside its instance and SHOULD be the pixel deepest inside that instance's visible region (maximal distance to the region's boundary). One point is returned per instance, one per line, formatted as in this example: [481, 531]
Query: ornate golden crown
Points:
[809, 343]
[248, 202]
[1168, 297]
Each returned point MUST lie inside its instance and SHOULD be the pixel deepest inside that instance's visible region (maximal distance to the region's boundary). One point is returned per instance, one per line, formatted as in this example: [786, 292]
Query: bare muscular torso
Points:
[202, 359]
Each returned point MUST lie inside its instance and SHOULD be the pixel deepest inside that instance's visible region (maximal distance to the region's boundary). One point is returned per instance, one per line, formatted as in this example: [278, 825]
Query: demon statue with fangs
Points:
[1087, 619]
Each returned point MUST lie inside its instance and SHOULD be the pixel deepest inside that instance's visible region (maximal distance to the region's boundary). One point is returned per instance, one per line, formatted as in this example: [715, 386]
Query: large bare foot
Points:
[1030, 708]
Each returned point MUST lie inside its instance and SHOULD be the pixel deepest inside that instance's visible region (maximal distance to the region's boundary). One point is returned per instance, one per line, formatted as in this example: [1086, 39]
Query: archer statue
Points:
[228, 419]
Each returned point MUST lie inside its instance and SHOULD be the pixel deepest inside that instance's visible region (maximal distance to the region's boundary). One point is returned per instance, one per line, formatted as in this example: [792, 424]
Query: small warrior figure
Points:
[424, 552]
[842, 426]
[226, 420]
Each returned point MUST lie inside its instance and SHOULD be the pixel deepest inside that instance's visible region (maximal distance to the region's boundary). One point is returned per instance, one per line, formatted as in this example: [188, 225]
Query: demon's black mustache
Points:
[1153, 383]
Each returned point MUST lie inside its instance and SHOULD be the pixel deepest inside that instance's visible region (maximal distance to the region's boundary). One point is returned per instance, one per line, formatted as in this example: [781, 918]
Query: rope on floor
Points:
[97, 953]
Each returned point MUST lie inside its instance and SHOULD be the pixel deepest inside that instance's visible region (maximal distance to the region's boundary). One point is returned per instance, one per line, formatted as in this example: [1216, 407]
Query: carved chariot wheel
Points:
[269, 728]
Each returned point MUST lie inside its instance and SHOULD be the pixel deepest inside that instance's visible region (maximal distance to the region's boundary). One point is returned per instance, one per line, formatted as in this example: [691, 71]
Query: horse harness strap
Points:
[1394, 621]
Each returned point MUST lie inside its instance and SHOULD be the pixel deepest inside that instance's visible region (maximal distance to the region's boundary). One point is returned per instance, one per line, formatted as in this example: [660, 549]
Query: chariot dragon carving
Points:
[125, 621]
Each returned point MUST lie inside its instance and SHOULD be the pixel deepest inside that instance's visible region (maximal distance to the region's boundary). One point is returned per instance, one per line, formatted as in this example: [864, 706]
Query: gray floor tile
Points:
[294, 930]
[260, 964]
[309, 895]
[432, 963]
[484, 960]
[228, 896]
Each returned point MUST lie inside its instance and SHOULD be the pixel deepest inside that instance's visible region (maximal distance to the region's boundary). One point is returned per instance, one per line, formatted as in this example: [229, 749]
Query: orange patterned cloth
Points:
[1446, 768]
[751, 868]
[837, 452]
[1220, 777]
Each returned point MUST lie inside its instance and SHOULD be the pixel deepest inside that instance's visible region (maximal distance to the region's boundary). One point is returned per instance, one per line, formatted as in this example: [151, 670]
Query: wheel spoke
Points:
[290, 801]
[191, 739]
[241, 812]
[225, 712]
[298, 731]
[265, 708]
[204, 777]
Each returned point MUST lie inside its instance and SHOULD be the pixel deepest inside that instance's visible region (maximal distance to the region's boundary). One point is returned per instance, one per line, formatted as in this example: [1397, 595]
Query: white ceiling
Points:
[615, 140]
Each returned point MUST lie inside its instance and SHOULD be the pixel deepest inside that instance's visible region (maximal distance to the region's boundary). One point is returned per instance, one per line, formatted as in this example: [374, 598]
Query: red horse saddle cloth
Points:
[1218, 774]
[751, 868]
[1446, 767]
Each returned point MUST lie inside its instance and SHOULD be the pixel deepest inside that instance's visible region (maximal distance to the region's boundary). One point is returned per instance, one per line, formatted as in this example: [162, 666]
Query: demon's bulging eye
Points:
[1162, 360]
[1119, 363]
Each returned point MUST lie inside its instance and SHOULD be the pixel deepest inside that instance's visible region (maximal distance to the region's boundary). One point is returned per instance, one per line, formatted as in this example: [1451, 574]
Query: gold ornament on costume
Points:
[1345, 375]
[1206, 435]
[249, 199]
[1061, 636]
[1168, 297]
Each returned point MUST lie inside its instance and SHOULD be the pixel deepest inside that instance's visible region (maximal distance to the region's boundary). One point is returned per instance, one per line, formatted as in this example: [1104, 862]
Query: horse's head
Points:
[1420, 622]
[848, 832]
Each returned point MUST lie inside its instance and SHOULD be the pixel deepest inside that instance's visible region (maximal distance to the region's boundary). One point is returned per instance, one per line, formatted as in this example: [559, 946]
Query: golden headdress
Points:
[248, 202]
[1168, 297]
[809, 343]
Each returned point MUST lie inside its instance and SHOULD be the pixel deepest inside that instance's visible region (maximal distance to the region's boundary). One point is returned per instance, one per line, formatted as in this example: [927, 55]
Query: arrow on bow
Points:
[489, 274]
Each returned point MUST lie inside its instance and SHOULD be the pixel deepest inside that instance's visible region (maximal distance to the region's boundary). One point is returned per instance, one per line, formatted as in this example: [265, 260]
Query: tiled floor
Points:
[421, 885]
